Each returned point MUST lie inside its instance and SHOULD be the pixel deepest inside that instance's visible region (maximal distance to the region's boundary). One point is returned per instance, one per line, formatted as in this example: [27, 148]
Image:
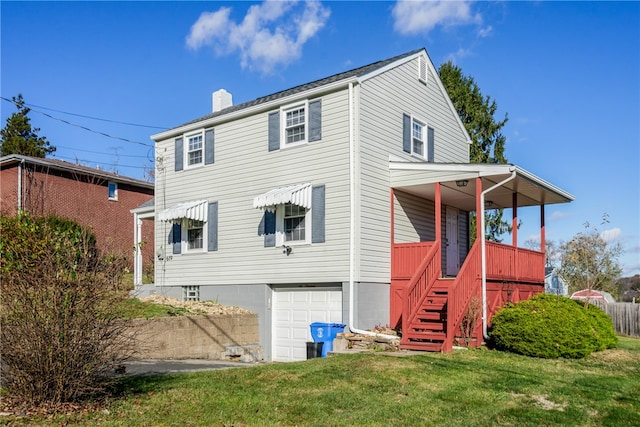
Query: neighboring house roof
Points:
[593, 294]
[61, 165]
[359, 73]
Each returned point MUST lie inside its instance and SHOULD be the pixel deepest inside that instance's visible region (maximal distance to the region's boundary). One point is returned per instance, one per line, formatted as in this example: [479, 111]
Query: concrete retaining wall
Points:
[213, 337]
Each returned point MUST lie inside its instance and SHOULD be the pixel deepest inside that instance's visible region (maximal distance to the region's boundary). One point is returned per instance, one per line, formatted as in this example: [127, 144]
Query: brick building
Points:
[95, 198]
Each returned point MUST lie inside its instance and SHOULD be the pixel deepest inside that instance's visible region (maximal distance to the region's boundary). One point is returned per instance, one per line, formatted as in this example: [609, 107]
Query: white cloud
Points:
[612, 235]
[415, 17]
[271, 33]
[559, 215]
[459, 54]
[485, 32]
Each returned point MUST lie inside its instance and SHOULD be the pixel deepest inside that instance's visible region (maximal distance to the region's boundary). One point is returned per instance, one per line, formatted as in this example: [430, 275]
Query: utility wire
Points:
[94, 131]
[88, 117]
[85, 162]
[86, 128]
[99, 152]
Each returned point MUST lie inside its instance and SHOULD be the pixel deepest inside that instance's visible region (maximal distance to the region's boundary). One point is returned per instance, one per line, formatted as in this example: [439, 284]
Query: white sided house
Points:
[344, 200]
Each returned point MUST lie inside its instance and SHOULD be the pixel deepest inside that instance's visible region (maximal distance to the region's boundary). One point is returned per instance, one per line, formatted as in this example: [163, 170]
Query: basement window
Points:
[191, 293]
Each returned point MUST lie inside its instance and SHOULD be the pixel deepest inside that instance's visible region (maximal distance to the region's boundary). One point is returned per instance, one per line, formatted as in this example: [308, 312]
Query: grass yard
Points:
[463, 388]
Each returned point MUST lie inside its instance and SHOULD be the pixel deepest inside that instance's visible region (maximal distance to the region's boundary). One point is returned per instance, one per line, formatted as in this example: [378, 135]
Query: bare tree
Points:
[588, 261]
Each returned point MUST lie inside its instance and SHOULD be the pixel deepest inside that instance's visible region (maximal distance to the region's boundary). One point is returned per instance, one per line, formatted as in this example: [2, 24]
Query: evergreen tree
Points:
[477, 112]
[18, 137]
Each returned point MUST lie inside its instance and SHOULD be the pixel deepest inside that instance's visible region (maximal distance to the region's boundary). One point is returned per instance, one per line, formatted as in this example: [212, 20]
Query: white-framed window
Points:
[191, 293]
[294, 124]
[194, 235]
[194, 149]
[418, 137]
[293, 224]
[113, 190]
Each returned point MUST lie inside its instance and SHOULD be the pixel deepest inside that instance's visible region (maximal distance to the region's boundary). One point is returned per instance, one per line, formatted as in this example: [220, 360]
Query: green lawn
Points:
[463, 388]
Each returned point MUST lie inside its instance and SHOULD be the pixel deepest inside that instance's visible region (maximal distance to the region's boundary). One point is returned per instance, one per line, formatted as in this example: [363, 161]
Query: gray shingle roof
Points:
[356, 72]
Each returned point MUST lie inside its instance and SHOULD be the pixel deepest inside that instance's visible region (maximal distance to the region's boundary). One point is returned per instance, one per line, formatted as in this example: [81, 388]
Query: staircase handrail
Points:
[426, 274]
[467, 282]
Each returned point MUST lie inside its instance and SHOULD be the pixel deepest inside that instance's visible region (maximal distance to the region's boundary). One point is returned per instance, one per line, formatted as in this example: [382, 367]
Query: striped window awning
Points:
[196, 210]
[299, 195]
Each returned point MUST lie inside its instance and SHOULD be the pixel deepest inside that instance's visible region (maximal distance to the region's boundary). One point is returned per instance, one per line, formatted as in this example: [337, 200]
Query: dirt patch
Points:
[542, 402]
[196, 307]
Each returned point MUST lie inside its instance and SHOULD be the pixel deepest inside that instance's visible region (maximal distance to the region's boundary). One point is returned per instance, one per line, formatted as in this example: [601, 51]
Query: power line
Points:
[86, 128]
[88, 117]
[94, 131]
[85, 162]
[99, 152]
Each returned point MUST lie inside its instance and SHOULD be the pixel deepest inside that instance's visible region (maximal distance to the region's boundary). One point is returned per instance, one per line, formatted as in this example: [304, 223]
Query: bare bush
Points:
[470, 319]
[60, 330]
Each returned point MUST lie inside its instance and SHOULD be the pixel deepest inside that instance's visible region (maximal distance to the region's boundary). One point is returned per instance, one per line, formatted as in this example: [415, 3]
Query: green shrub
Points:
[551, 326]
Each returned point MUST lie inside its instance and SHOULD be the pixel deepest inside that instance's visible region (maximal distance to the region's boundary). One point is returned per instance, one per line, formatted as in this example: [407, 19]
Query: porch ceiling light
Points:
[488, 204]
[462, 182]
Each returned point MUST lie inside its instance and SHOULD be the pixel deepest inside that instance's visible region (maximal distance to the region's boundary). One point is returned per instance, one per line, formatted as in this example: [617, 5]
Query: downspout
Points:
[352, 223]
[483, 251]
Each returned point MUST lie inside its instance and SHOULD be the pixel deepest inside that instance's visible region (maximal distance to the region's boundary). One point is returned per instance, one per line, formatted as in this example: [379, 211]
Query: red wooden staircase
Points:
[432, 308]
[427, 329]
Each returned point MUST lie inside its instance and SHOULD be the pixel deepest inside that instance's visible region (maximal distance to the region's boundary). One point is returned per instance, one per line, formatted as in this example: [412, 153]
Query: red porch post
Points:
[438, 209]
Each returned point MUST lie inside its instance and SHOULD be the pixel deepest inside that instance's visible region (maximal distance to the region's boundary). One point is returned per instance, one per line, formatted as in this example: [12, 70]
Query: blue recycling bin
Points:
[326, 333]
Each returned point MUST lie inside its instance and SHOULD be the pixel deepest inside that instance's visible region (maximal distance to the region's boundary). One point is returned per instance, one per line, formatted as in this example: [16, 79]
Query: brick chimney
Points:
[221, 99]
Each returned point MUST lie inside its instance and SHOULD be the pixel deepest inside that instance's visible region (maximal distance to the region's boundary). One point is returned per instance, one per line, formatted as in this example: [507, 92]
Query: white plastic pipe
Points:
[483, 250]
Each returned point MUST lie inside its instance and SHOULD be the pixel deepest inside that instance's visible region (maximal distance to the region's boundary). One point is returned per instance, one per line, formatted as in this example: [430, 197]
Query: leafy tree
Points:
[18, 137]
[587, 261]
[477, 113]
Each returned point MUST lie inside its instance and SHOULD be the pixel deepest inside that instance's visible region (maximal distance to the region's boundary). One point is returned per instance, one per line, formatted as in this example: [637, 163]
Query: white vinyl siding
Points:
[383, 100]
[241, 257]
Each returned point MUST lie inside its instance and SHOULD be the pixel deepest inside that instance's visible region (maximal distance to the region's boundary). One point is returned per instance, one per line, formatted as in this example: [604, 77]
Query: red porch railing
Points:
[513, 274]
[467, 283]
[506, 262]
[425, 275]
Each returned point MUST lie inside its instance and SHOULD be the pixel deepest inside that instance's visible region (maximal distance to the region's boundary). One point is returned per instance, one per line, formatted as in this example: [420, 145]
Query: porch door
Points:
[451, 242]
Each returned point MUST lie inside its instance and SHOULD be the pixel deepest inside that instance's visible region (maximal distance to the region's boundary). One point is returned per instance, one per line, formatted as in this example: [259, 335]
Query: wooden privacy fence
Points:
[625, 316]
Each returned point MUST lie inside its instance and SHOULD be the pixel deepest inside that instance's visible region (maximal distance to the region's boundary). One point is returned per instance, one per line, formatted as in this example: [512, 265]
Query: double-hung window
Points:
[295, 124]
[294, 223]
[418, 136]
[194, 149]
[195, 235]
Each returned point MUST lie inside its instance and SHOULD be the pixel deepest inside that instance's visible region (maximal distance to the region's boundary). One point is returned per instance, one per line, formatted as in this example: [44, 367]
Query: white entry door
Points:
[453, 252]
[293, 311]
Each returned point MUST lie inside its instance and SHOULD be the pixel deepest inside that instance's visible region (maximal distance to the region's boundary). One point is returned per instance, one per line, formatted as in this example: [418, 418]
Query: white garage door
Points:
[293, 311]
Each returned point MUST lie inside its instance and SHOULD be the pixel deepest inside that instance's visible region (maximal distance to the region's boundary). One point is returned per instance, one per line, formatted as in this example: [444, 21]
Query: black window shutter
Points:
[430, 144]
[274, 131]
[175, 237]
[406, 133]
[269, 229]
[212, 227]
[317, 214]
[178, 154]
[208, 147]
[315, 120]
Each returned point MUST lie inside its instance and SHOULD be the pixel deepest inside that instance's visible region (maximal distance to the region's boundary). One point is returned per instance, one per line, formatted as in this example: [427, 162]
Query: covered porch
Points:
[428, 300]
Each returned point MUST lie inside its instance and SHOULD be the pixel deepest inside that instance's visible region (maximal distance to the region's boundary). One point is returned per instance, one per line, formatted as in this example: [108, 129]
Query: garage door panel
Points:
[294, 311]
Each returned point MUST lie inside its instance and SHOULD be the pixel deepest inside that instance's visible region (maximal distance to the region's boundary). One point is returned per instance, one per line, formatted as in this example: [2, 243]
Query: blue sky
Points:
[567, 74]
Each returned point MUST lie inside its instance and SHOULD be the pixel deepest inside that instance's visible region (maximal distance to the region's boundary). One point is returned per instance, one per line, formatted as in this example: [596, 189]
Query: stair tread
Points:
[412, 335]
